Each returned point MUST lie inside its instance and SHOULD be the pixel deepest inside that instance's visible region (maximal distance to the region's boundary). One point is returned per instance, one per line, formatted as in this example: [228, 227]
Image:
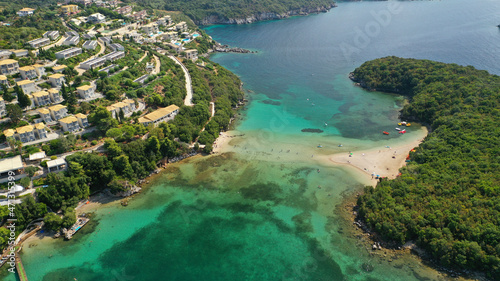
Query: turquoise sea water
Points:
[257, 213]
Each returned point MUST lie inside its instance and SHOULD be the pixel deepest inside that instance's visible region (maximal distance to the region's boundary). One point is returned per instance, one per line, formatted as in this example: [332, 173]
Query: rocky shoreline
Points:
[227, 49]
[264, 16]
[391, 252]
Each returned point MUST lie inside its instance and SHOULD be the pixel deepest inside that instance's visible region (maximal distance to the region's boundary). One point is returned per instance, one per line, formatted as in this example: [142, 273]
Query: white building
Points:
[27, 133]
[97, 18]
[45, 115]
[105, 40]
[116, 47]
[151, 29]
[56, 79]
[86, 91]
[9, 67]
[40, 69]
[74, 123]
[3, 112]
[28, 72]
[59, 68]
[71, 41]
[90, 45]
[3, 80]
[56, 165]
[39, 42]
[182, 26]
[93, 63]
[68, 53]
[55, 95]
[52, 35]
[166, 20]
[41, 98]
[58, 111]
[126, 106]
[160, 115]
[25, 12]
[192, 54]
[27, 86]
[20, 53]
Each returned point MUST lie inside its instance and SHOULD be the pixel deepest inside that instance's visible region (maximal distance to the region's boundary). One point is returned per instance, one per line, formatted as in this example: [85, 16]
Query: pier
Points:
[20, 269]
[80, 222]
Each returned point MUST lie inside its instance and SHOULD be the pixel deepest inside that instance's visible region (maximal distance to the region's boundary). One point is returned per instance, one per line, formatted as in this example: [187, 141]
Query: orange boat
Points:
[385, 133]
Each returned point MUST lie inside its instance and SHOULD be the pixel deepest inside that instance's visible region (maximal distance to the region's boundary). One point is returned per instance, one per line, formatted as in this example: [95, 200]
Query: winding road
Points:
[189, 88]
[157, 65]
[101, 51]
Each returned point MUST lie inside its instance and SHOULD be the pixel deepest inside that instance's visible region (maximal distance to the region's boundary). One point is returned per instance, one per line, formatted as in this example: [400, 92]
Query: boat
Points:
[398, 129]
[320, 146]
[408, 124]
[402, 131]
[385, 133]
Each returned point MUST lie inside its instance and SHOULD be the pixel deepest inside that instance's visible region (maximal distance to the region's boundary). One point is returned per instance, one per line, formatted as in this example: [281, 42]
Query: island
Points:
[446, 199]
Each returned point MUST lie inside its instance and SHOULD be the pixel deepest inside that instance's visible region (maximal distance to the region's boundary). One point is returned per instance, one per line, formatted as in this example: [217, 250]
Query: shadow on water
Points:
[219, 242]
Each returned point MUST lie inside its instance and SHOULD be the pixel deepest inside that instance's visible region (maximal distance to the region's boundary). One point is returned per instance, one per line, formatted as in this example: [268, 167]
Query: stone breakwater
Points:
[214, 19]
[226, 49]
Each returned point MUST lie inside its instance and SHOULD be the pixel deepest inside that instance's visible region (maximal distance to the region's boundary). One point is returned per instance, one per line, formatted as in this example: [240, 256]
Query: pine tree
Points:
[64, 92]
[121, 114]
[22, 99]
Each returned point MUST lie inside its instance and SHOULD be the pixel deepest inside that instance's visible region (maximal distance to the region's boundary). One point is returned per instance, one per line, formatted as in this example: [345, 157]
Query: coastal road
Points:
[189, 88]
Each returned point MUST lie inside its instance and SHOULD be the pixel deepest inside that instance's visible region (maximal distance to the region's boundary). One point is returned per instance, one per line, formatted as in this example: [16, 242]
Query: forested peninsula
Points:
[447, 198]
[205, 12]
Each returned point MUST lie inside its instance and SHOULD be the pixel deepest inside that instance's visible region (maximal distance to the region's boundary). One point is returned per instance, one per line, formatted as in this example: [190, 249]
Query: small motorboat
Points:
[408, 124]
[398, 129]
[320, 146]
[402, 131]
[385, 133]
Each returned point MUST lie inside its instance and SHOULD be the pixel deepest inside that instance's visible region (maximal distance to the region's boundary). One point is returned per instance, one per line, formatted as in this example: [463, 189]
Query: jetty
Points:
[80, 222]
[20, 269]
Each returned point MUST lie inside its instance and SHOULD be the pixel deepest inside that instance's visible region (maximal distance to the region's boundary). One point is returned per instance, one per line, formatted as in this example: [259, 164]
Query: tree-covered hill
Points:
[447, 198]
[220, 11]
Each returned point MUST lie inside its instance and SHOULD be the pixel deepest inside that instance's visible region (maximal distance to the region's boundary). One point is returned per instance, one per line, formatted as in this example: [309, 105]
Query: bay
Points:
[256, 212]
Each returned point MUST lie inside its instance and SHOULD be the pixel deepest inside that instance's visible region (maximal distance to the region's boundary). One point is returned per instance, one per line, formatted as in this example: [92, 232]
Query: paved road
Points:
[101, 51]
[157, 65]
[143, 57]
[189, 88]
[58, 43]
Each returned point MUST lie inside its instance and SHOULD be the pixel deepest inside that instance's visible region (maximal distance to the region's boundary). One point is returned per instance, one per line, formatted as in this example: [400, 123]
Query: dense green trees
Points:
[448, 198]
[201, 9]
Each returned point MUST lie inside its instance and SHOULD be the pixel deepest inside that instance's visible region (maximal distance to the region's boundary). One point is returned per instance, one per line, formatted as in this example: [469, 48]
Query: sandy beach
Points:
[383, 161]
[95, 202]
[221, 143]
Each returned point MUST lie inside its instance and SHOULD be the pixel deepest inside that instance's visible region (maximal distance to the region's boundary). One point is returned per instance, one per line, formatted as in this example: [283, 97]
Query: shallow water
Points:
[257, 213]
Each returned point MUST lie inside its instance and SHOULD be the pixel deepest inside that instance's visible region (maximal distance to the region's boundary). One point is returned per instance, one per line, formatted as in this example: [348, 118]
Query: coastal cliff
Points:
[216, 19]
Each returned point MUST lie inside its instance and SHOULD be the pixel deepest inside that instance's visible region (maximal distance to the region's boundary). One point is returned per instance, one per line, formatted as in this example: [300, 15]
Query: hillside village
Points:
[111, 75]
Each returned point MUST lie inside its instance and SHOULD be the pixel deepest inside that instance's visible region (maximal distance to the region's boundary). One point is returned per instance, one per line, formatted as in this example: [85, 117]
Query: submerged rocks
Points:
[311, 130]
[367, 267]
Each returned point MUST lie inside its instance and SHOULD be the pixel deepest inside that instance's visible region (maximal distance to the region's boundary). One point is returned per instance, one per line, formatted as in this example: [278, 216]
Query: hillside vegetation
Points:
[223, 9]
[447, 198]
